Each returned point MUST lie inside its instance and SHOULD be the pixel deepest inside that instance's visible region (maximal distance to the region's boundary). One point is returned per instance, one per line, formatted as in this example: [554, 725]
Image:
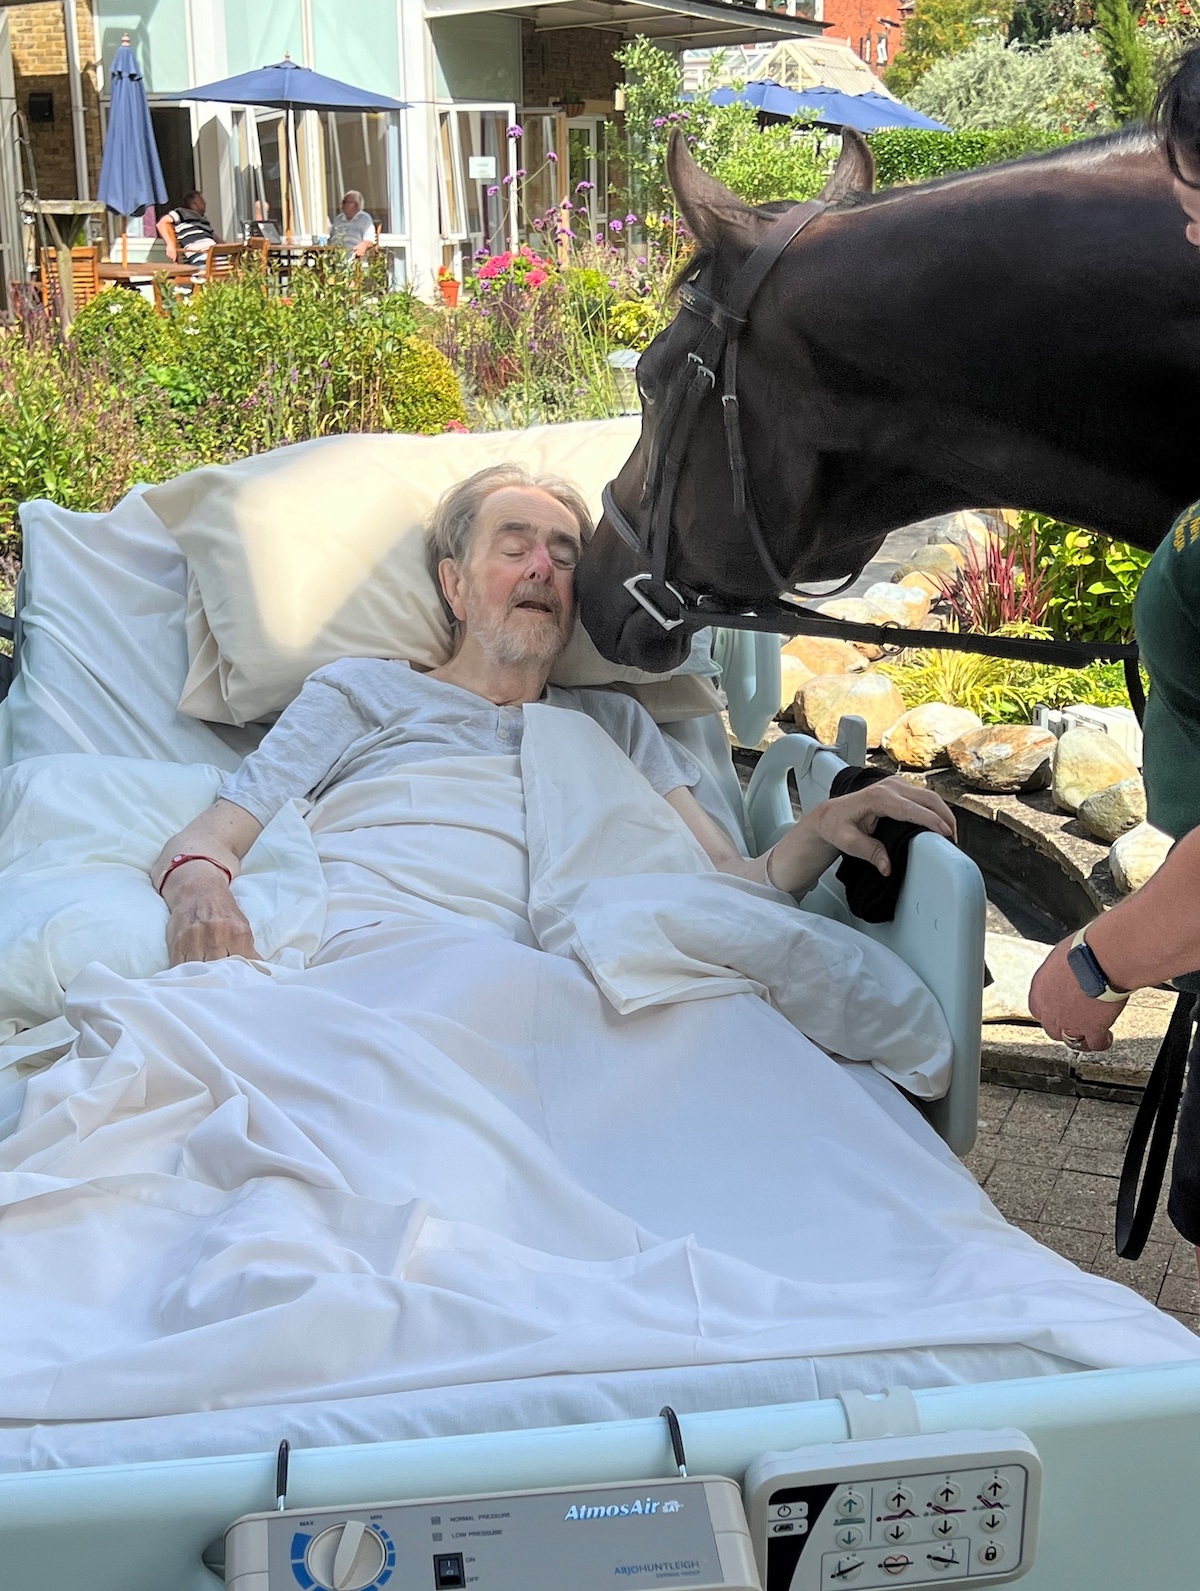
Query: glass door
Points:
[477, 183]
[587, 164]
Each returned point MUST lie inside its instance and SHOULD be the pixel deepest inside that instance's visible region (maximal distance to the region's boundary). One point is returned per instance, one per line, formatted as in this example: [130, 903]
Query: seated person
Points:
[503, 546]
[353, 228]
[193, 231]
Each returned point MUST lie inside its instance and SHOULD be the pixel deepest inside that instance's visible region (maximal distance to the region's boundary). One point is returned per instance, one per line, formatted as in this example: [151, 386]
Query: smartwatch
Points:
[1089, 974]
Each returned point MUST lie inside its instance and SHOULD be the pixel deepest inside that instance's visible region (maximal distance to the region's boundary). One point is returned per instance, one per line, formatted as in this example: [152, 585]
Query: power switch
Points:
[448, 1571]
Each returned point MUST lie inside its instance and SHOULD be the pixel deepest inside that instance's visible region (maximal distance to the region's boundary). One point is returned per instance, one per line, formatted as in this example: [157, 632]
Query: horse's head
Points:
[681, 472]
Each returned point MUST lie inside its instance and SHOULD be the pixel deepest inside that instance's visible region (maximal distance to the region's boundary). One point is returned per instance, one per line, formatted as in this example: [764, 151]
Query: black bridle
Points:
[669, 601]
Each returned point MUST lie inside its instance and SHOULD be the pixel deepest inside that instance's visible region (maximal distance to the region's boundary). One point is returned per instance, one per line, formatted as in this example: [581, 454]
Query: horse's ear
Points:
[855, 169]
[709, 208]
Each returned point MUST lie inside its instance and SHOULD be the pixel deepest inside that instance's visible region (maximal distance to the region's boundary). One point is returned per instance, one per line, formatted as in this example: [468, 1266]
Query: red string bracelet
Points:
[178, 861]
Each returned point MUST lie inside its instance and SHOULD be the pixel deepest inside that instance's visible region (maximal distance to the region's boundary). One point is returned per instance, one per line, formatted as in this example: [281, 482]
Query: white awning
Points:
[697, 23]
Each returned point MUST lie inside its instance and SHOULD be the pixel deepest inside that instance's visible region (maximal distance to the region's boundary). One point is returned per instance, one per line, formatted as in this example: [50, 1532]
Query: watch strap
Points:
[1109, 995]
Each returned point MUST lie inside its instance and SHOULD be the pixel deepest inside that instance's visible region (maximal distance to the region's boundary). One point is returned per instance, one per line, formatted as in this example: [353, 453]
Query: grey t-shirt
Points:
[362, 717]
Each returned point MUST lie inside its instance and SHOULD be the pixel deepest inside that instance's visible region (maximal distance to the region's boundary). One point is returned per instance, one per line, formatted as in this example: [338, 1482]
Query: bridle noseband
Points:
[690, 384]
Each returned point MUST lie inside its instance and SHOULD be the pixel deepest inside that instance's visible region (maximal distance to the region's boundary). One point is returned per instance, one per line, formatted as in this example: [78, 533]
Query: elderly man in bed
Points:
[503, 546]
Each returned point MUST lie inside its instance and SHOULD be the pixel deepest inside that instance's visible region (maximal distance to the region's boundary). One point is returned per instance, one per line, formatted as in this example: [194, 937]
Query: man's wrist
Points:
[197, 876]
[1093, 973]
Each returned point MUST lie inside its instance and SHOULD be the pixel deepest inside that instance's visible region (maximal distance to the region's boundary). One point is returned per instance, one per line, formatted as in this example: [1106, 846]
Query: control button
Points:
[896, 1564]
[944, 1526]
[897, 1498]
[989, 1554]
[852, 1503]
[783, 1511]
[845, 1570]
[992, 1521]
[946, 1493]
[848, 1536]
[346, 1557]
[895, 1532]
[448, 1570]
[995, 1490]
[942, 1559]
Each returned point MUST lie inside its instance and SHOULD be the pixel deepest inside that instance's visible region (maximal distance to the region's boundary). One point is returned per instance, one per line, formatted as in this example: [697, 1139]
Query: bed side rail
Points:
[939, 924]
[10, 631]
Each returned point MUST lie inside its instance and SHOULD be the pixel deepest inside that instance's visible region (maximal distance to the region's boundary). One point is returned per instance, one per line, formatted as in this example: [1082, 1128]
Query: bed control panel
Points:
[688, 1533]
[907, 1511]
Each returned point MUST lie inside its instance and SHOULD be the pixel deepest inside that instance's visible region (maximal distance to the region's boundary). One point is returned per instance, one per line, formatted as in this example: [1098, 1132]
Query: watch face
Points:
[1087, 971]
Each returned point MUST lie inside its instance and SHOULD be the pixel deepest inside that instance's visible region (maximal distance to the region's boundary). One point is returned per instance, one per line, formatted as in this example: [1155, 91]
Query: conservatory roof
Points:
[698, 23]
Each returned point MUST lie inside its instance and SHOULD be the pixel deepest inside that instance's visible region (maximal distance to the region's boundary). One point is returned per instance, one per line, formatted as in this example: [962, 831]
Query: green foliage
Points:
[941, 28]
[1061, 86]
[999, 690]
[653, 100]
[632, 323]
[420, 390]
[1128, 62]
[120, 329]
[1090, 581]
[915, 155]
[1033, 21]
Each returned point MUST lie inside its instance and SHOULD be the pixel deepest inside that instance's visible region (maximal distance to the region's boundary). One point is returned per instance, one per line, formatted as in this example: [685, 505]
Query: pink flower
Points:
[631, 220]
[660, 121]
[516, 131]
[456, 425]
[506, 181]
[615, 226]
[536, 278]
[493, 189]
[521, 172]
[552, 157]
[567, 205]
[584, 187]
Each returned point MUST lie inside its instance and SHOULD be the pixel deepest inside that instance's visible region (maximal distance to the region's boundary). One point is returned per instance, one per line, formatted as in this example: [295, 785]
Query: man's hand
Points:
[206, 923]
[847, 823]
[1060, 1005]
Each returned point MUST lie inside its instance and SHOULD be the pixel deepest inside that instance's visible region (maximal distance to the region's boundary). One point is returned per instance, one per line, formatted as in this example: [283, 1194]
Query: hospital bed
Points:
[1120, 1448]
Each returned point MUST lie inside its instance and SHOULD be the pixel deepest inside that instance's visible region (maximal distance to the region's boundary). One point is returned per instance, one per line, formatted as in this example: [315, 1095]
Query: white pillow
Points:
[78, 835]
[315, 552]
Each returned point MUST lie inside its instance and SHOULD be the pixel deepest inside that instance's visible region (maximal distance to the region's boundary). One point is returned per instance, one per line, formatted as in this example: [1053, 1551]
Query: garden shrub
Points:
[1059, 86]
[421, 391]
[1089, 581]
[916, 155]
[999, 690]
[121, 329]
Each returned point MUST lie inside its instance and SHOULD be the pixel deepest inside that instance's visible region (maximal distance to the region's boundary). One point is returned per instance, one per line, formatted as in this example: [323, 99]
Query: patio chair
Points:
[224, 260]
[85, 277]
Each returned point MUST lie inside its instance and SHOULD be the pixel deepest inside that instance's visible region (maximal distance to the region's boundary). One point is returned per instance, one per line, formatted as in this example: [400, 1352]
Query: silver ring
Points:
[1075, 1041]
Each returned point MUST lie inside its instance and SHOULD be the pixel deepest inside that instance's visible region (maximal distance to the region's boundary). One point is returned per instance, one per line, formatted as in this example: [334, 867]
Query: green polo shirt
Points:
[1167, 620]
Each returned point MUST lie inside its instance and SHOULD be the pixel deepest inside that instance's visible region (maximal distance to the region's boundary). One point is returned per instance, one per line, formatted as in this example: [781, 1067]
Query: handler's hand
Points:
[848, 822]
[206, 923]
[1060, 1005]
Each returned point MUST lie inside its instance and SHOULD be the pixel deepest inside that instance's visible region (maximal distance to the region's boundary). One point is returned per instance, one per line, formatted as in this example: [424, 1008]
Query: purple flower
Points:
[685, 115]
[584, 187]
[691, 138]
[615, 226]
[515, 131]
[570, 234]
[631, 220]
[552, 157]
[599, 237]
[641, 259]
[612, 282]
[567, 205]
[506, 181]
[660, 121]
[538, 223]
[521, 172]
[493, 189]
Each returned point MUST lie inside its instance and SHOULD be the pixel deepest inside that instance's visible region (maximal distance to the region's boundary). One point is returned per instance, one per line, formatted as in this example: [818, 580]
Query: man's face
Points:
[1188, 198]
[516, 592]
[199, 204]
[349, 207]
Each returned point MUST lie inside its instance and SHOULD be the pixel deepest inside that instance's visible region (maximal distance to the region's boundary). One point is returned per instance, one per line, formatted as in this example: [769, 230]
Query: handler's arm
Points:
[1151, 936]
[842, 826]
[206, 923]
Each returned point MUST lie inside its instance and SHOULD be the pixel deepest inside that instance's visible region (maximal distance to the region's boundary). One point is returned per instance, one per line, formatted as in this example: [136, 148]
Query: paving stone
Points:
[1071, 1242]
[1020, 1192]
[1041, 1115]
[1082, 1157]
[1183, 1259]
[1082, 1200]
[1180, 1292]
[1192, 1322]
[1027, 1149]
[1144, 1275]
[994, 1105]
[1099, 1124]
[981, 1159]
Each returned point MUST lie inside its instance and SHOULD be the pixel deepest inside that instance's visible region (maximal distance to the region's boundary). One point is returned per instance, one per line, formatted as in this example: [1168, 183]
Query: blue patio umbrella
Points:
[829, 107]
[903, 115]
[289, 87]
[130, 173]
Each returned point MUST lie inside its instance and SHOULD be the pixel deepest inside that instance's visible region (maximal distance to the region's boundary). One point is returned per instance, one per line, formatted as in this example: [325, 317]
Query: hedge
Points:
[905, 154]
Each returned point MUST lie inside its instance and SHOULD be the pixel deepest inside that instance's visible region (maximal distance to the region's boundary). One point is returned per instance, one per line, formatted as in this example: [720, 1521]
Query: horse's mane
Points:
[1077, 156]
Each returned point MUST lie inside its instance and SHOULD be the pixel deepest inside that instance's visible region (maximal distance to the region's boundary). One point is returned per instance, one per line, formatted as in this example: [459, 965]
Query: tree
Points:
[1131, 96]
[1034, 21]
[939, 28]
[1058, 86]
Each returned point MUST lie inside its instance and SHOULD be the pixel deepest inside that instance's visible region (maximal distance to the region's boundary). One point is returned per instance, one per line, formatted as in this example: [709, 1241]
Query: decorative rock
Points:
[901, 604]
[855, 611]
[1012, 963]
[919, 739]
[1086, 762]
[825, 655]
[793, 676]
[920, 582]
[1114, 811]
[939, 560]
[825, 700]
[1136, 856]
[1004, 757]
[966, 531]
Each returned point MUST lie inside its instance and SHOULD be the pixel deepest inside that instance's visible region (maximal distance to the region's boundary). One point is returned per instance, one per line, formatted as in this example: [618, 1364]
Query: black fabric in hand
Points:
[870, 894]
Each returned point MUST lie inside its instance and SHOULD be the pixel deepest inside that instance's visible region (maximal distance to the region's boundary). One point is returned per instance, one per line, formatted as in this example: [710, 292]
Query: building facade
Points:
[432, 174]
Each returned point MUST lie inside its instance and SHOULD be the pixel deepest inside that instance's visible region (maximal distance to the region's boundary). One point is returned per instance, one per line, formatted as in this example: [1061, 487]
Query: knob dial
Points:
[347, 1557]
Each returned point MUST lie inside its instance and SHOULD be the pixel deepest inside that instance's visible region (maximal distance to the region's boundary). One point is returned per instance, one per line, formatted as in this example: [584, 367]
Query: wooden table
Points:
[143, 270]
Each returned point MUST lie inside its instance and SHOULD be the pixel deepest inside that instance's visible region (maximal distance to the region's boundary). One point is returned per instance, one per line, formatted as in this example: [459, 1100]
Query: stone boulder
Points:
[1114, 810]
[793, 676]
[825, 700]
[941, 560]
[1136, 856]
[918, 581]
[919, 739]
[825, 655]
[970, 533]
[1012, 963]
[857, 611]
[1086, 762]
[1004, 758]
[902, 605]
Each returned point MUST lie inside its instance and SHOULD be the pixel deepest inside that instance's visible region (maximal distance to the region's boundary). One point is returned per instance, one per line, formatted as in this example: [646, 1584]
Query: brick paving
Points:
[1050, 1162]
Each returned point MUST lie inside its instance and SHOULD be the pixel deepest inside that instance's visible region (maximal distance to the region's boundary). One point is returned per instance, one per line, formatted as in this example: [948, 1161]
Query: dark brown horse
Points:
[1027, 335]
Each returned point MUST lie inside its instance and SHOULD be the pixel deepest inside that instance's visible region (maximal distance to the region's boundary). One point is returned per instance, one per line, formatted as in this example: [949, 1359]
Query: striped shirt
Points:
[194, 233]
